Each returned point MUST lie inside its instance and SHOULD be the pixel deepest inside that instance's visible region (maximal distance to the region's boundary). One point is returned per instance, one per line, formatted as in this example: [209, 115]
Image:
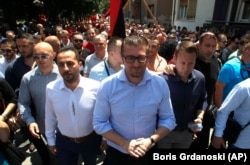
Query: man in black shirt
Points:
[77, 40]
[209, 65]
[14, 73]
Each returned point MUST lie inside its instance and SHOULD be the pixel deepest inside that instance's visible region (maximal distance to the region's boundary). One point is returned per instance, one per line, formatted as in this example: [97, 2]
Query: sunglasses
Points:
[242, 42]
[76, 40]
[217, 51]
[225, 42]
[6, 50]
[42, 56]
[207, 35]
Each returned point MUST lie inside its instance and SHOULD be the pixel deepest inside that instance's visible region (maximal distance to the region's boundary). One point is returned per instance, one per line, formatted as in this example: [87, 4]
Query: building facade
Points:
[231, 16]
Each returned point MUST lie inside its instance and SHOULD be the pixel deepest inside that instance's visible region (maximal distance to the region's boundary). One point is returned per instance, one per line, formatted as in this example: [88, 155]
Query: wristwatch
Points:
[152, 141]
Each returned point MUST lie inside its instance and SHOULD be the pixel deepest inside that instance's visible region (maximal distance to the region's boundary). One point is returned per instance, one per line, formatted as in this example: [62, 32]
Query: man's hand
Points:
[139, 147]
[218, 142]
[104, 145]
[169, 69]
[34, 130]
[53, 149]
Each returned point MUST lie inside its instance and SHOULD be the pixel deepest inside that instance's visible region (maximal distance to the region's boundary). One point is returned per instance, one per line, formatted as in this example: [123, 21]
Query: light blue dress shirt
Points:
[91, 61]
[238, 100]
[99, 71]
[32, 89]
[132, 110]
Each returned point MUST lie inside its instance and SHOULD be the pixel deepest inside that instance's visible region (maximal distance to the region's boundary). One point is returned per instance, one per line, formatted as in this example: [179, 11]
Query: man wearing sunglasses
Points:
[243, 40]
[232, 72]
[231, 47]
[130, 105]
[77, 40]
[8, 48]
[31, 101]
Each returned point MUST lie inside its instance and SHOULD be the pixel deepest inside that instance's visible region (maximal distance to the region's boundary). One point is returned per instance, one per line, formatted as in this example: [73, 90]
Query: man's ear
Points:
[54, 55]
[198, 45]
[80, 63]
[174, 56]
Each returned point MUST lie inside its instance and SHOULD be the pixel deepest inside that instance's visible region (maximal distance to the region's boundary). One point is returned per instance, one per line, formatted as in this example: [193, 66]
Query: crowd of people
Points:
[81, 91]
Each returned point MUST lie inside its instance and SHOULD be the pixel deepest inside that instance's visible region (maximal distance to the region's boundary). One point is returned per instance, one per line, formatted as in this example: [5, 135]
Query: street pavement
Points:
[33, 158]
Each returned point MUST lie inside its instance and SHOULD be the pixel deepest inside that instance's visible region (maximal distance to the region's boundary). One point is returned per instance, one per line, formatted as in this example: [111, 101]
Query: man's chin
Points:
[137, 75]
[67, 76]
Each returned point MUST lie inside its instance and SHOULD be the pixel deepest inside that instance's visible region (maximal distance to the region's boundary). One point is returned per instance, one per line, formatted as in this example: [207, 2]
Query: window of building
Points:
[187, 9]
[152, 8]
[245, 11]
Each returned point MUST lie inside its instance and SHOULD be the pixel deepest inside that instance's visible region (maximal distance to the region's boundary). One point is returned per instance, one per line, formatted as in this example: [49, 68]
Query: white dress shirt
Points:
[71, 112]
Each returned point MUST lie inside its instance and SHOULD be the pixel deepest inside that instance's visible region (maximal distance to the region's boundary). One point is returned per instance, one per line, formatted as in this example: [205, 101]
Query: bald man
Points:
[54, 42]
[32, 92]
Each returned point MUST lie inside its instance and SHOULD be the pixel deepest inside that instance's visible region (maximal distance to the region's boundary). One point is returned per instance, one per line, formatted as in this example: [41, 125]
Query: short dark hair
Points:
[28, 36]
[70, 48]
[245, 39]
[206, 35]
[112, 42]
[136, 41]
[11, 42]
[187, 46]
[167, 49]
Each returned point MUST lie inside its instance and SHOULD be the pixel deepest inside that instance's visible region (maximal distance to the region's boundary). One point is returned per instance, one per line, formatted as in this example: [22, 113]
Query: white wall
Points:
[204, 12]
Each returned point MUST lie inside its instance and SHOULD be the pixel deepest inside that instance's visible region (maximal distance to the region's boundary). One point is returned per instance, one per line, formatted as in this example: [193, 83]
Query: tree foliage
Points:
[55, 10]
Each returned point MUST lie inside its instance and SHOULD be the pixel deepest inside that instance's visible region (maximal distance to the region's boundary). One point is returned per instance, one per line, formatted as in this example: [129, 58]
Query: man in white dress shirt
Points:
[8, 48]
[69, 112]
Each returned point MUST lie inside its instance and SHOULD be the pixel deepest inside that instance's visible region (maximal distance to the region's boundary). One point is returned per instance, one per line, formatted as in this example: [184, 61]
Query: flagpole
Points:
[126, 4]
[152, 15]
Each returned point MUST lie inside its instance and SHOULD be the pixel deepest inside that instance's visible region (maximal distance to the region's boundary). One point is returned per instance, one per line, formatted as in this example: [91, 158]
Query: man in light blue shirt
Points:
[100, 54]
[133, 109]
[238, 100]
[110, 65]
[31, 101]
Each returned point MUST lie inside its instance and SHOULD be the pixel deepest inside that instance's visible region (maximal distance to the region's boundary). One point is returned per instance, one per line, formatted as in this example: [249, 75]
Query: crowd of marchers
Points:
[81, 92]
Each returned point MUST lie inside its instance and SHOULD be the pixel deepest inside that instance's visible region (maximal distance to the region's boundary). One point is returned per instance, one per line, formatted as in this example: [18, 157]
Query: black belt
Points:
[79, 139]
[180, 129]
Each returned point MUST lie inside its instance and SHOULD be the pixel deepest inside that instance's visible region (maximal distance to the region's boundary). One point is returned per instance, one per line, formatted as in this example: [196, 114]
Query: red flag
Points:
[116, 18]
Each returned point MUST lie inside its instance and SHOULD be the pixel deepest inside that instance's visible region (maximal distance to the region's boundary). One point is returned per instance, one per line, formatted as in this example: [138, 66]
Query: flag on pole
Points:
[116, 18]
